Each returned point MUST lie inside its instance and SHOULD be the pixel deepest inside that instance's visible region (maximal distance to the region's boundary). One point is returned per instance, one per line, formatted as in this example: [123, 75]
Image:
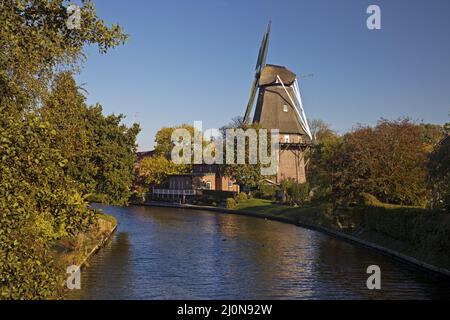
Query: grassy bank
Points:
[416, 232]
[77, 250]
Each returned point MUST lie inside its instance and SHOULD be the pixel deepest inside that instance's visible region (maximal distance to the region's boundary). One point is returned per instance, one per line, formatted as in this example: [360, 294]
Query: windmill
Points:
[279, 106]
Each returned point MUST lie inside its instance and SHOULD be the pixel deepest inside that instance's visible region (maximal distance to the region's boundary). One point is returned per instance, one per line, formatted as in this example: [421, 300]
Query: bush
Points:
[267, 192]
[299, 193]
[231, 203]
[137, 197]
[218, 194]
[369, 200]
[96, 198]
[295, 193]
[213, 197]
[242, 197]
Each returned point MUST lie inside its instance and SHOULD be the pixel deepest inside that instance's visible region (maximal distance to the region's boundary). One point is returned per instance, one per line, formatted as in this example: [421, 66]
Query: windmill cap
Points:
[270, 72]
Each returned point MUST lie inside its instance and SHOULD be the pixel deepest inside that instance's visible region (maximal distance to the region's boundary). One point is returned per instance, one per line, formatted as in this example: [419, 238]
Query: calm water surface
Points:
[162, 253]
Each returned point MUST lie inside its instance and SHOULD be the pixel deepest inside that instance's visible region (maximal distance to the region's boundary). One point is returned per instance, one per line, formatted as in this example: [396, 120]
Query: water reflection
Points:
[160, 253]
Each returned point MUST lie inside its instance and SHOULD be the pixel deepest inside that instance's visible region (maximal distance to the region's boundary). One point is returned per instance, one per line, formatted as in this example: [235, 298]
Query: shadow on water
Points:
[163, 253]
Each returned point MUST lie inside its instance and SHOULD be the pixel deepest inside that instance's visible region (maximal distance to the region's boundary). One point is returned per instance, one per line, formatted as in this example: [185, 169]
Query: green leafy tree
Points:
[115, 156]
[155, 170]
[100, 150]
[66, 110]
[39, 202]
[247, 175]
[320, 174]
[163, 139]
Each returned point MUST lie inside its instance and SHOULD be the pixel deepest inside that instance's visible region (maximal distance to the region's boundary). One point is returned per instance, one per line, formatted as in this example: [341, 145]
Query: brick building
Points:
[203, 177]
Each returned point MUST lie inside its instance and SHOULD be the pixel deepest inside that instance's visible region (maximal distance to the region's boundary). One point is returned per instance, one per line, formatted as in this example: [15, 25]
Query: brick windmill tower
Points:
[279, 106]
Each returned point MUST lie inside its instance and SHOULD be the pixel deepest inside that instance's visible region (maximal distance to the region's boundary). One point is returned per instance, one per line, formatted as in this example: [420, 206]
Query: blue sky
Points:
[194, 60]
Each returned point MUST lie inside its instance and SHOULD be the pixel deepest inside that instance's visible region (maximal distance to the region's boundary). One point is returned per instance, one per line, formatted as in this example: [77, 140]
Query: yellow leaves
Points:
[63, 163]
[155, 170]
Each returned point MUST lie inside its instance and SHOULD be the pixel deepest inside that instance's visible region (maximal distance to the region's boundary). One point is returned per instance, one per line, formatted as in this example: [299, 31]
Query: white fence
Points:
[174, 192]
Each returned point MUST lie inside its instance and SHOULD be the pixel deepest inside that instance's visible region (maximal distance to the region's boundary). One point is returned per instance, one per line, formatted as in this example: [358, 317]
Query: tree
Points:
[320, 175]
[320, 130]
[447, 128]
[247, 174]
[155, 170]
[387, 161]
[39, 203]
[65, 109]
[114, 155]
[100, 150]
[163, 139]
[432, 134]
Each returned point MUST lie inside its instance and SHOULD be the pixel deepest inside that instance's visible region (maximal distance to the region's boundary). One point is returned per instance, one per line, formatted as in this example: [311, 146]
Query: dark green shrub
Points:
[213, 197]
[298, 193]
[267, 192]
[216, 195]
[96, 198]
[295, 193]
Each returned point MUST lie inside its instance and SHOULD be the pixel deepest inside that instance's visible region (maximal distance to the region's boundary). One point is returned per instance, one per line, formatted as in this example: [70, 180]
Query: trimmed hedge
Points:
[427, 229]
[218, 195]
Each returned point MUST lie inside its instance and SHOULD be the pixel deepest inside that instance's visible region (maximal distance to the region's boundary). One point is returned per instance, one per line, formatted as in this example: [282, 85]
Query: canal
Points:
[163, 253]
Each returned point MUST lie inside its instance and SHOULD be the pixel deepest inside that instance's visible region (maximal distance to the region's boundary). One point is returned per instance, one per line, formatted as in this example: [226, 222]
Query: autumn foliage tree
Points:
[387, 161]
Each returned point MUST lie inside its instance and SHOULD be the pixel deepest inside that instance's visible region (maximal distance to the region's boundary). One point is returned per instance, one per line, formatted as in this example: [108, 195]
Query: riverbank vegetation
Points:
[414, 231]
[388, 161]
[55, 151]
[387, 184]
[75, 251]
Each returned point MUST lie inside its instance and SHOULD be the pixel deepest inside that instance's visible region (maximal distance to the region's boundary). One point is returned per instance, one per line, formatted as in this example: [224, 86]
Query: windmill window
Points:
[285, 108]
[287, 138]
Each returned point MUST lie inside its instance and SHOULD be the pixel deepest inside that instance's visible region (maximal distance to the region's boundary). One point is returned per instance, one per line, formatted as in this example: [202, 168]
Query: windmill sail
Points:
[260, 64]
[302, 113]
